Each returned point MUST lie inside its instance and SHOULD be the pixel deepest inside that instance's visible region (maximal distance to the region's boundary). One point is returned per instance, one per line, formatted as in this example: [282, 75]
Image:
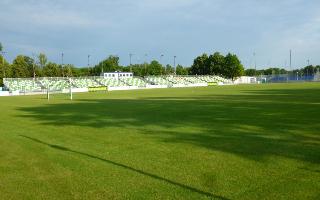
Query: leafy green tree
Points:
[181, 70]
[138, 69]
[42, 58]
[154, 68]
[5, 69]
[200, 65]
[1, 47]
[69, 70]
[233, 67]
[52, 70]
[22, 67]
[250, 72]
[169, 69]
[216, 63]
[309, 70]
[110, 64]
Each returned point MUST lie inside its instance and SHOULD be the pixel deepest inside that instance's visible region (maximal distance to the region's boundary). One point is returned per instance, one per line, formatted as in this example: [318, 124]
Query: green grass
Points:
[231, 142]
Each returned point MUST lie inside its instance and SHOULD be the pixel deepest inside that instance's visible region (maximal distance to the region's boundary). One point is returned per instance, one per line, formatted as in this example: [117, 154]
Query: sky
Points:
[151, 28]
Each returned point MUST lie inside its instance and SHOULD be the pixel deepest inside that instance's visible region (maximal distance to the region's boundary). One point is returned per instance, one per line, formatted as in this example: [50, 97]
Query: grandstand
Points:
[157, 80]
[56, 84]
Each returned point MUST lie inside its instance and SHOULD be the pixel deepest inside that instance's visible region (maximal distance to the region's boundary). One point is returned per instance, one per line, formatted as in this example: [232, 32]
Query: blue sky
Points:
[185, 28]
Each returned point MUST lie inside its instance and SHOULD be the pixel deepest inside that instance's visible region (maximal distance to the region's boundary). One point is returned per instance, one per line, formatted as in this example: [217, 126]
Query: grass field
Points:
[231, 142]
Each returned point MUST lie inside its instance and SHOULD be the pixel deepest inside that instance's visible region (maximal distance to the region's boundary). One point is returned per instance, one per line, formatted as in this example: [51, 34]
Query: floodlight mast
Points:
[255, 64]
[33, 64]
[145, 64]
[161, 56]
[130, 55]
[62, 64]
[88, 65]
[174, 65]
[290, 60]
[4, 70]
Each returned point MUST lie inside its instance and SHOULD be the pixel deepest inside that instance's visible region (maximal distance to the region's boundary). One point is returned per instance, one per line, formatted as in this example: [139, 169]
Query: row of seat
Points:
[58, 84]
[22, 85]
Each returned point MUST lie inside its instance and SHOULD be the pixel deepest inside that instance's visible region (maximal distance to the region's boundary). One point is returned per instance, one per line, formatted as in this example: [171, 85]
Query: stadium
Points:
[132, 100]
[107, 81]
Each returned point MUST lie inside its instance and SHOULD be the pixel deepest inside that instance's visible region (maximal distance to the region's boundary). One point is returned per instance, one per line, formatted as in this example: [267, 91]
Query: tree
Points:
[52, 70]
[250, 72]
[42, 58]
[309, 70]
[5, 70]
[181, 70]
[216, 63]
[138, 69]
[154, 68]
[22, 67]
[68, 70]
[110, 64]
[200, 65]
[1, 47]
[233, 67]
[169, 69]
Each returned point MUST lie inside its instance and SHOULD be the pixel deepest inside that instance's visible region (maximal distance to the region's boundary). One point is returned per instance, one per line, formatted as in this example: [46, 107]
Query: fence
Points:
[283, 78]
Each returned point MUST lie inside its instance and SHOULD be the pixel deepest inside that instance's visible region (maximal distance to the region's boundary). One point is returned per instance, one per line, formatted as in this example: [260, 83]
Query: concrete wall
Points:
[4, 93]
[156, 86]
[123, 88]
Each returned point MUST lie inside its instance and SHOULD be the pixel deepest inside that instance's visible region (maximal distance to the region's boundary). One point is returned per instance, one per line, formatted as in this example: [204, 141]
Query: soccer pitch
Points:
[230, 142]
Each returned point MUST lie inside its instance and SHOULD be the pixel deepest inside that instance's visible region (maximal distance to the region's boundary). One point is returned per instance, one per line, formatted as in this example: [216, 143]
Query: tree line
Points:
[228, 66]
[26, 67]
[309, 70]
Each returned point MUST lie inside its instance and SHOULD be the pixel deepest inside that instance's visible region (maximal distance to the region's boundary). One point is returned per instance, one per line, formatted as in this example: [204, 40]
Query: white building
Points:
[245, 80]
[117, 75]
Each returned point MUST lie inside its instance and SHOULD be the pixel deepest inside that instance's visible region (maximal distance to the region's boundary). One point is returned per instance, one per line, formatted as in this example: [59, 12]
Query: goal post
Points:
[70, 83]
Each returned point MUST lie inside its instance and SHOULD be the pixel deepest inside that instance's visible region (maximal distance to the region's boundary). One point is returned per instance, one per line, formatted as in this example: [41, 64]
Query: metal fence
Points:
[283, 78]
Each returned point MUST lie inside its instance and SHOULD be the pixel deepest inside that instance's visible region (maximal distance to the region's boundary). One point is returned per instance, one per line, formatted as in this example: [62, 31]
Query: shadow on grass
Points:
[186, 187]
[254, 124]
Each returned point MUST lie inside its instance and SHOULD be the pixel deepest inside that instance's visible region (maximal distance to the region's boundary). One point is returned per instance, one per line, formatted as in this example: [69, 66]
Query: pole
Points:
[174, 65]
[4, 70]
[130, 55]
[255, 64]
[62, 64]
[70, 82]
[161, 56]
[290, 61]
[62, 58]
[48, 92]
[88, 65]
[145, 64]
[34, 73]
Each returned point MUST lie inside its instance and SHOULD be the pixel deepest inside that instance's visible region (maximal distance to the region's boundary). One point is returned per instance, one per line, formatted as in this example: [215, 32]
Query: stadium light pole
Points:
[33, 65]
[145, 64]
[255, 64]
[4, 70]
[88, 64]
[308, 62]
[62, 64]
[290, 65]
[174, 65]
[62, 58]
[161, 56]
[130, 55]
